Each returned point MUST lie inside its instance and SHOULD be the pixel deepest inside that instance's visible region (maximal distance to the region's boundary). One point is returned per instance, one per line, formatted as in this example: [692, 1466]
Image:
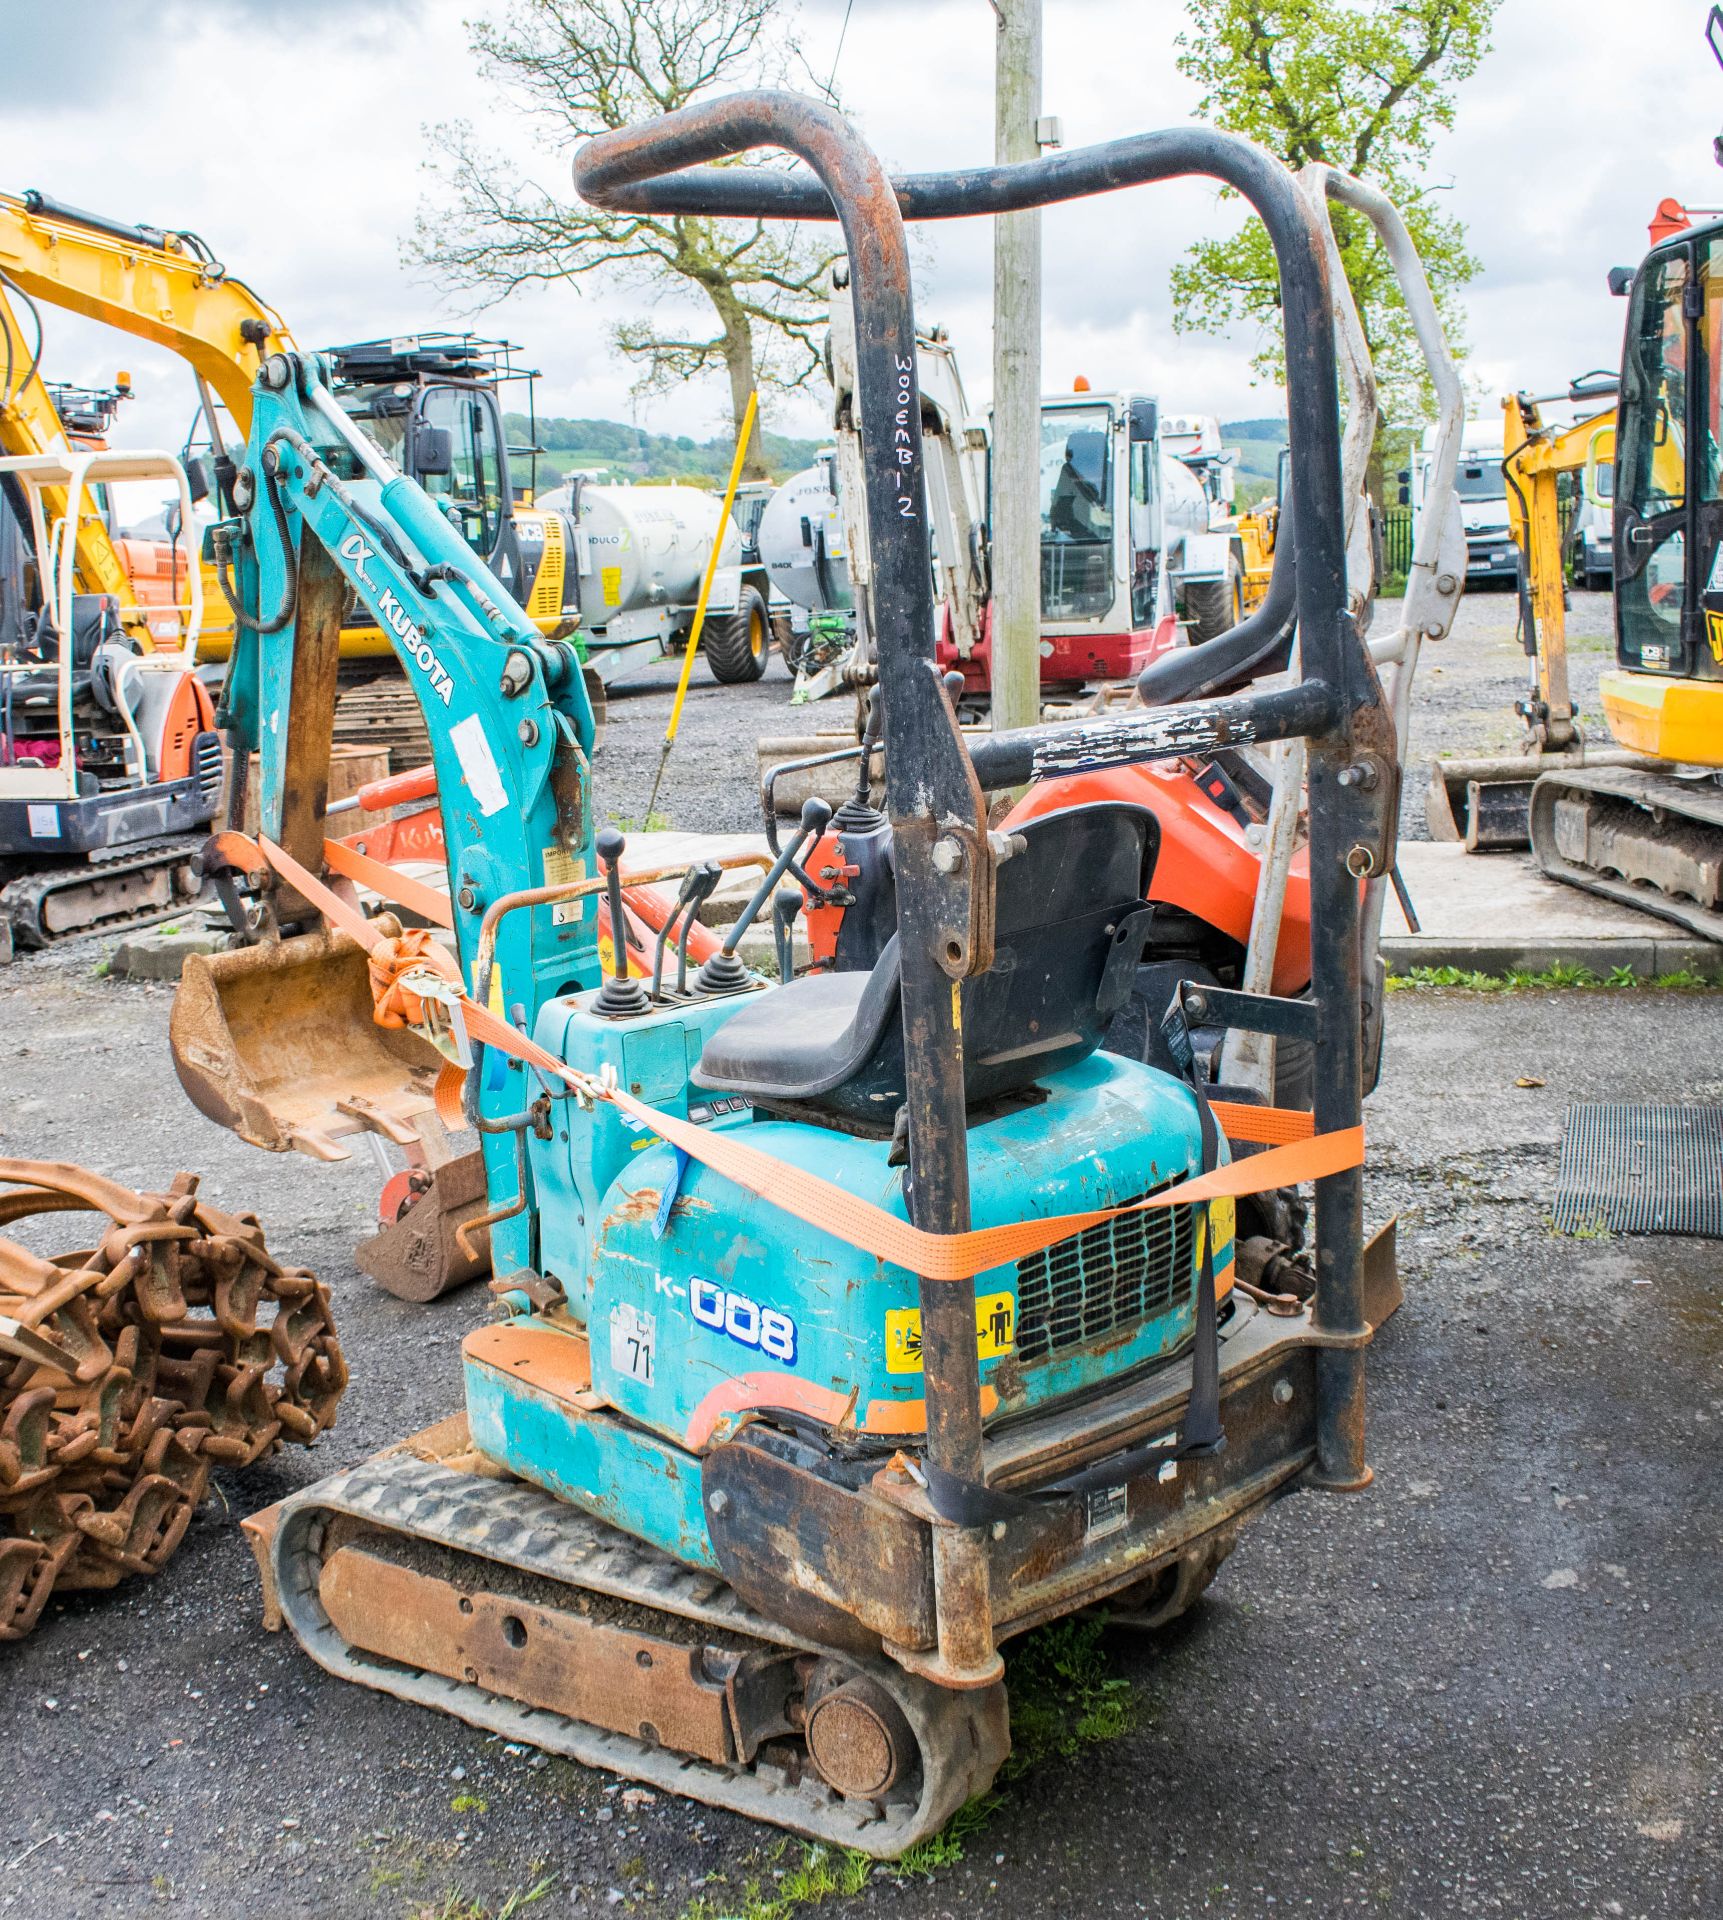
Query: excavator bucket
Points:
[277, 1042]
[1485, 803]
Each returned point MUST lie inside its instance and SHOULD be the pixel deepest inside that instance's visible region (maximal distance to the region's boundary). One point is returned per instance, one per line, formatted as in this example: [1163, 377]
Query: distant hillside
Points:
[1259, 443]
[631, 453]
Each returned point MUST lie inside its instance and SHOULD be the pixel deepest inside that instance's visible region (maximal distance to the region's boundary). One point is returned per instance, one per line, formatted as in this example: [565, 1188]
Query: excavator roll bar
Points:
[934, 795]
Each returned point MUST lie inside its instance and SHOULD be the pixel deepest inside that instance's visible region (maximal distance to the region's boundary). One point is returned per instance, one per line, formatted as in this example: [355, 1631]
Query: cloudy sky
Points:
[290, 133]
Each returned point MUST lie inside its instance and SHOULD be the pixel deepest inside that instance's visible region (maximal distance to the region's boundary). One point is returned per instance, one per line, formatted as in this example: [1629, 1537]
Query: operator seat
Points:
[1068, 920]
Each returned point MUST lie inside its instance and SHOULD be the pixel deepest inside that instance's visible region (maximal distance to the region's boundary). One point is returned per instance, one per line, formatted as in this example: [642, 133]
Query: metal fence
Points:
[1396, 541]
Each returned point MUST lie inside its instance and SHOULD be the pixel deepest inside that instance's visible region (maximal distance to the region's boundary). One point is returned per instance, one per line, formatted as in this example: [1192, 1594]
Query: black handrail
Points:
[660, 168]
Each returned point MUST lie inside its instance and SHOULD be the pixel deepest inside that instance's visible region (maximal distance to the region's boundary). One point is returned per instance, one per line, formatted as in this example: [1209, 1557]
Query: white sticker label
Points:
[1715, 583]
[44, 823]
[1105, 1511]
[479, 764]
[633, 1341]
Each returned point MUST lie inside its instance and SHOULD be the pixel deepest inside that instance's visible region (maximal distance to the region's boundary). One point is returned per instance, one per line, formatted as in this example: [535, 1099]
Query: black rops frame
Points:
[933, 794]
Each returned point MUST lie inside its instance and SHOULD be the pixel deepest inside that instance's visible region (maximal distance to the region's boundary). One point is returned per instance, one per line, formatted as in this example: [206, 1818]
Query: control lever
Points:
[858, 814]
[685, 894]
[785, 907]
[952, 682]
[709, 873]
[724, 973]
[621, 997]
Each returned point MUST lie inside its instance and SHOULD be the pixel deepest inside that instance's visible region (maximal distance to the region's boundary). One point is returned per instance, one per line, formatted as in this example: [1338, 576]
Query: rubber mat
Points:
[1641, 1169]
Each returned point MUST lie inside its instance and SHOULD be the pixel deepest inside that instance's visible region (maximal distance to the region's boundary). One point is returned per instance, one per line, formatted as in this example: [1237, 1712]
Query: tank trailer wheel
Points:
[736, 646]
[1215, 606]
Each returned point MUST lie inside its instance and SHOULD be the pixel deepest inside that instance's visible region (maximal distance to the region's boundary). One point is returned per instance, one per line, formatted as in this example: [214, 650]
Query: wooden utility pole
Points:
[1016, 544]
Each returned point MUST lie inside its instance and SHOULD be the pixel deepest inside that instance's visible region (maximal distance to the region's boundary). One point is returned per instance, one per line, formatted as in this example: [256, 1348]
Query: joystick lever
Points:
[724, 973]
[621, 997]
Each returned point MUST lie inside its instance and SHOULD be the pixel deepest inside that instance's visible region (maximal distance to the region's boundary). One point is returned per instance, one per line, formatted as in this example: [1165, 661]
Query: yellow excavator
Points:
[1485, 800]
[31, 424]
[1257, 532]
[168, 287]
[1650, 834]
[110, 764]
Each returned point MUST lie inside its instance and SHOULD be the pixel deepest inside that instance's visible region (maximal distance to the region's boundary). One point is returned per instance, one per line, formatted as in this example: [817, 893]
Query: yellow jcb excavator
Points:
[1484, 800]
[109, 758]
[1651, 834]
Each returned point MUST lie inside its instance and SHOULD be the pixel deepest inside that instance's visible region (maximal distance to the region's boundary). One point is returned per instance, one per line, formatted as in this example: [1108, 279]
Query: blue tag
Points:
[667, 1199]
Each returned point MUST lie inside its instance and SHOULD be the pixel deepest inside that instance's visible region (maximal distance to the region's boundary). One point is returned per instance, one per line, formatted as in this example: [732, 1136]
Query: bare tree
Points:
[577, 68]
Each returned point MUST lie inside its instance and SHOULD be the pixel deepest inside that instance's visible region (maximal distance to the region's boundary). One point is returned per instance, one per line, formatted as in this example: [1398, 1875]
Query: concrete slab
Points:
[1496, 913]
[160, 956]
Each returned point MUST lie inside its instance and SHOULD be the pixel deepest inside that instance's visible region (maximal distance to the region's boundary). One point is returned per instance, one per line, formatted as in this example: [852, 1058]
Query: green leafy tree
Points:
[1365, 85]
[579, 68]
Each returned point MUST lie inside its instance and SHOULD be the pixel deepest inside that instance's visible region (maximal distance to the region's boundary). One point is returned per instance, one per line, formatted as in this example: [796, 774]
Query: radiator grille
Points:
[547, 590]
[1105, 1279]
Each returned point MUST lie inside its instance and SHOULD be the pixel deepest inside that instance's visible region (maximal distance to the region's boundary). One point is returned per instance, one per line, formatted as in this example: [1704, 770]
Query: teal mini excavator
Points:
[851, 1324]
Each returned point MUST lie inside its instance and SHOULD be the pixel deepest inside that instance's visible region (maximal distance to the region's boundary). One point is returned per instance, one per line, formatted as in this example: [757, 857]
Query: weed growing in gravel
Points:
[822, 1874]
[455, 1906]
[1596, 1228]
[1563, 974]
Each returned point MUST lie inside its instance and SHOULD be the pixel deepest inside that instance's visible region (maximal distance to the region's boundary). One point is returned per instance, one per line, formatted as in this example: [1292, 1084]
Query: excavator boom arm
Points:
[169, 293]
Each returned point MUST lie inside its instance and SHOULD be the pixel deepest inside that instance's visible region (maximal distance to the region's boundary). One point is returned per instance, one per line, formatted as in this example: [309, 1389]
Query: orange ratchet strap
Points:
[1301, 1155]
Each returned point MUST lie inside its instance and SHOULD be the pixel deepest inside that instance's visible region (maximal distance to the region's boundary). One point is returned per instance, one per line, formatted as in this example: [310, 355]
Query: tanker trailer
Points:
[638, 556]
[806, 556]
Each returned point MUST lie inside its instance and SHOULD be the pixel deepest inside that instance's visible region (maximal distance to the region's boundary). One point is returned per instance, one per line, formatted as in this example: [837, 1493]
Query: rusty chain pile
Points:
[128, 1370]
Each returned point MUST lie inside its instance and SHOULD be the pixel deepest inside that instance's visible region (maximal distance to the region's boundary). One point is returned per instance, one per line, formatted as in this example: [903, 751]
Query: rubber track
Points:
[962, 1736]
[22, 899]
[1699, 806]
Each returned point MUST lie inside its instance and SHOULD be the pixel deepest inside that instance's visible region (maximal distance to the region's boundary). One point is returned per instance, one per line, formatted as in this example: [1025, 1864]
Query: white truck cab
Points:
[1483, 497]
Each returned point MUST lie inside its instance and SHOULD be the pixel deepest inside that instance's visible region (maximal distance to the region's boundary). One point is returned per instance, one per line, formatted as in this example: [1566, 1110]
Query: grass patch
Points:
[455, 1906]
[823, 1873]
[654, 822]
[1563, 974]
[468, 1803]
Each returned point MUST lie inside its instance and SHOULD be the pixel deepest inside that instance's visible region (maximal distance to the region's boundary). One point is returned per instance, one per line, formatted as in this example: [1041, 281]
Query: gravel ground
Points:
[1486, 1686]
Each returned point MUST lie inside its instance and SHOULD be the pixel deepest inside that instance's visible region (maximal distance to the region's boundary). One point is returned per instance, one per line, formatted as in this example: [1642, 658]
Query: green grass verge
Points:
[1563, 974]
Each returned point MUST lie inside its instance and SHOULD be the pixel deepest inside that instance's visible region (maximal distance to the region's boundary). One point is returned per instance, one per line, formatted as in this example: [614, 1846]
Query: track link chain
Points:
[129, 1369]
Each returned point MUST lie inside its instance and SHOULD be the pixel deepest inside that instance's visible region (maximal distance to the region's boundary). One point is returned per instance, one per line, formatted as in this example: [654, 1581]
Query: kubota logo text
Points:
[399, 621]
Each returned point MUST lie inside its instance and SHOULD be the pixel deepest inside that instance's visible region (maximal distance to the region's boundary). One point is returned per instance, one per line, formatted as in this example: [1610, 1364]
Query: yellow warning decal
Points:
[995, 1332]
[610, 583]
[1714, 633]
[562, 869]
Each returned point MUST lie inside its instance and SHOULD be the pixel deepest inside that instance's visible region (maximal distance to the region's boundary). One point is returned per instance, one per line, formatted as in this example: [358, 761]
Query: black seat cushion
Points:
[835, 1040]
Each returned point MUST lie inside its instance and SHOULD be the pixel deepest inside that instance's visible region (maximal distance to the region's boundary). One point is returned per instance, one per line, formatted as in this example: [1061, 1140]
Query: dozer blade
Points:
[1646, 839]
[277, 1042]
[420, 1255]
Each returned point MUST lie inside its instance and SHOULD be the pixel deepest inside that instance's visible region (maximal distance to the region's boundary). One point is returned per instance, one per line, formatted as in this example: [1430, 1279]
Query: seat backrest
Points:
[1059, 908]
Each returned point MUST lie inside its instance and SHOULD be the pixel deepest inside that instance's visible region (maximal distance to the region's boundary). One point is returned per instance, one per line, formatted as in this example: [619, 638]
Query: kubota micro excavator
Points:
[849, 1326]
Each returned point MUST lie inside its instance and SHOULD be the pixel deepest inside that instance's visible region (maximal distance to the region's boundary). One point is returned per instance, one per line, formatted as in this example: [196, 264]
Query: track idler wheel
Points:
[858, 1739]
